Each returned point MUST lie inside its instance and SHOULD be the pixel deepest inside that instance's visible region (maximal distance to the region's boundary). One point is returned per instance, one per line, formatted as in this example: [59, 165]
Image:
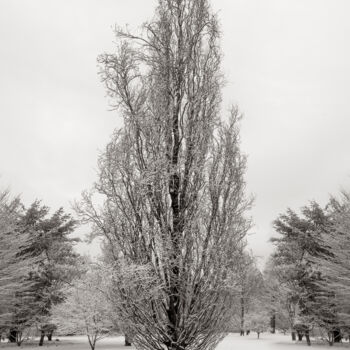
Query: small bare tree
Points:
[172, 181]
[248, 284]
[86, 309]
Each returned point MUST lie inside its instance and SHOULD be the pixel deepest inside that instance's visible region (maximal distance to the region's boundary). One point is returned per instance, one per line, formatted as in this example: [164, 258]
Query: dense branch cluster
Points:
[171, 181]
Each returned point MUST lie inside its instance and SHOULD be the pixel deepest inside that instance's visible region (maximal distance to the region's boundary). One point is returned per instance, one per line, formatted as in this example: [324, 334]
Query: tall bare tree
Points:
[171, 180]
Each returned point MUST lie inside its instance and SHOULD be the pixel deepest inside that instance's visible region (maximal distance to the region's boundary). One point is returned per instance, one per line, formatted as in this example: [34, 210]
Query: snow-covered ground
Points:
[231, 342]
[269, 341]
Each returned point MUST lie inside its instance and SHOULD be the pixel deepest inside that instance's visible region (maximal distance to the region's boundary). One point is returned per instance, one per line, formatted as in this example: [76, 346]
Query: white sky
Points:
[287, 63]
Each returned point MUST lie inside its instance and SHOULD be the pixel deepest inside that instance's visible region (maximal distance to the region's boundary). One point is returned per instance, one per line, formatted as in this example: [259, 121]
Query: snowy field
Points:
[231, 342]
[270, 341]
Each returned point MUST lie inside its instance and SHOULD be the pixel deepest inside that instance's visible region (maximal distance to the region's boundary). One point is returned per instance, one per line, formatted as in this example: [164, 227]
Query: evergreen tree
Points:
[15, 266]
[55, 265]
[297, 248]
[335, 268]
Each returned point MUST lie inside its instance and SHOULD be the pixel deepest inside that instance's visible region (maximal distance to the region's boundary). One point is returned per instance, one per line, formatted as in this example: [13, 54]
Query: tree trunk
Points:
[337, 336]
[258, 335]
[273, 323]
[300, 336]
[92, 341]
[307, 336]
[49, 335]
[127, 339]
[294, 338]
[12, 336]
[19, 338]
[242, 316]
[42, 336]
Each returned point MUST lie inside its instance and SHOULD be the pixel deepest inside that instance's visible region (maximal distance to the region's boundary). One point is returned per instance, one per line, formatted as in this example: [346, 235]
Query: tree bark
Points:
[337, 336]
[300, 336]
[19, 338]
[127, 339]
[49, 335]
[92, 341]
[42, 336]
[273, 323]
[307, 336]
[12, 336]
[242, 316]
[294, 338]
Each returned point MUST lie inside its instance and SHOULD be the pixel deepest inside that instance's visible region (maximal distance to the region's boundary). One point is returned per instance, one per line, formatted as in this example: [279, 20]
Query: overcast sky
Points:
[287, 63]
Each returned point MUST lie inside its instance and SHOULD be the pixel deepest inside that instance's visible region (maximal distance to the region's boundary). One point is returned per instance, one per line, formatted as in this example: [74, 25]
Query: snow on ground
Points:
[269, 341]
[231, 342]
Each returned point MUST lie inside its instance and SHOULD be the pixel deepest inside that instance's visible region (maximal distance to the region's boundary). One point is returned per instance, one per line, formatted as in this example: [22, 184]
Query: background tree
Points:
[172, 181]
[258, 321]
[294, 259]
[335, 269]
[86, 309]
[55, 265]
[278, 298]
[108, 263]
[257, 310]
[14, 264]
[248, 285]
